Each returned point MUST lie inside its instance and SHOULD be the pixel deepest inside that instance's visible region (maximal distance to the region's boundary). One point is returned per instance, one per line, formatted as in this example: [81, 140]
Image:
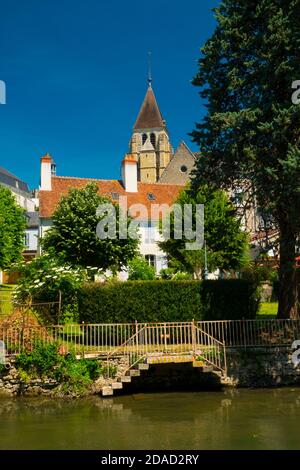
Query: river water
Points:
[231, 419]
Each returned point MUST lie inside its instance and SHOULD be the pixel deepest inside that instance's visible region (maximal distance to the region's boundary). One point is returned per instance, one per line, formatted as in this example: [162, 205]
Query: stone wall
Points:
[11, 383]
[262, 367]
[259, 367]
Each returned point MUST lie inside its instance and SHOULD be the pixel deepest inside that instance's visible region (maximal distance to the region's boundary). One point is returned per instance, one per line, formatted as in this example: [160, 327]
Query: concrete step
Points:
[134, 373]
[117, 385]
[143, 366]
[126, 378]
[107, 391]
[207, 369]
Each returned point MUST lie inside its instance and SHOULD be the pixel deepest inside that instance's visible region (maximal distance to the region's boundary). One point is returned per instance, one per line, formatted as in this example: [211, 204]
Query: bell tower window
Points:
[153, 139]
[144, 138]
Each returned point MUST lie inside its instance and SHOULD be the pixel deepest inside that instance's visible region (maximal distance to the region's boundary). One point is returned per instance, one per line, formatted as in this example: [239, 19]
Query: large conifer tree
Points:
[251, 132]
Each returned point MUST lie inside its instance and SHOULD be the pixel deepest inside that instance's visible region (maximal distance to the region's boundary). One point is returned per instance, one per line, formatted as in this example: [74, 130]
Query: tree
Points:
[12, 229]
[140, 270]
[250, 133]
[73, 236]
[226, 243]
[44, 280]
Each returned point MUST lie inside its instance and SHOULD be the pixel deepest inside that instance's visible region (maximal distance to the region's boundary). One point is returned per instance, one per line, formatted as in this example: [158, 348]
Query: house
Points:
[31, 235]
[151, 174]
[27, 200]
[24, 197]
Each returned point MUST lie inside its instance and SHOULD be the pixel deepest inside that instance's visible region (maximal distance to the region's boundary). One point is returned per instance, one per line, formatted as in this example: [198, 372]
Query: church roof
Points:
[149, 115]
[147, 194]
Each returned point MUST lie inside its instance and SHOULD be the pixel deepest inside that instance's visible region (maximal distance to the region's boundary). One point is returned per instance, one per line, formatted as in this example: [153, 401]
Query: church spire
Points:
[149, 116]
[150, 69]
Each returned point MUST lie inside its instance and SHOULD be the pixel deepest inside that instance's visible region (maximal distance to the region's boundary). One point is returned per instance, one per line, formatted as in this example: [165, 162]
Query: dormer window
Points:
[144, 138]
[151, 196]
[115, 196]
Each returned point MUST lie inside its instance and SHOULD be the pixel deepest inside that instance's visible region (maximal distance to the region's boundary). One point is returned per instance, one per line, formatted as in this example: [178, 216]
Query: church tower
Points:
[150, 144]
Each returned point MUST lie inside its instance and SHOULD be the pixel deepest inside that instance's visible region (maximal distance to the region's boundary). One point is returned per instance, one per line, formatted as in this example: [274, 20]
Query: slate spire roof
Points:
[149, 115]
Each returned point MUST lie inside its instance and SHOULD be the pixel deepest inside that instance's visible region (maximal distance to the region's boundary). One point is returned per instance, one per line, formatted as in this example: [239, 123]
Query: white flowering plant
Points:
[45, 279]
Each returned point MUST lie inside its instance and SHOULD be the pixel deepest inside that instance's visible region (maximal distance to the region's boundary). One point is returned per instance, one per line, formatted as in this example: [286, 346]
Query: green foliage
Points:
[225, 241]
[77, 374]
[46, 361]
[140, 270]
[259, 274]
[41, 360]
[154, 301]
[43, 278]
[174, 275]
[250, 134]
[12, 229]
[73, 236]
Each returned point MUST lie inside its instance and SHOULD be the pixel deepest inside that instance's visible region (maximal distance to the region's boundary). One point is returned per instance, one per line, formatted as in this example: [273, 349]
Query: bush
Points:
[41, 360]
[43, 278]
[140, 270]
[154, 301]
[46, 361]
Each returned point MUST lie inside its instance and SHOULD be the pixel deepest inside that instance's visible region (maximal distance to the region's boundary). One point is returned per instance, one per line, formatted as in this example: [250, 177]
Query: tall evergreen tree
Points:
[251, 130]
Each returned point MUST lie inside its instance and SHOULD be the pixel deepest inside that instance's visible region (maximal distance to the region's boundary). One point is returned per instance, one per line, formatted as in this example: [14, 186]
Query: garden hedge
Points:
[153, 301]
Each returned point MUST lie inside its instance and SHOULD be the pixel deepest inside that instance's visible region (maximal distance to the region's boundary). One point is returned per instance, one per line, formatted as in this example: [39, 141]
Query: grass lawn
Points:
[5, 300]
[268, 310]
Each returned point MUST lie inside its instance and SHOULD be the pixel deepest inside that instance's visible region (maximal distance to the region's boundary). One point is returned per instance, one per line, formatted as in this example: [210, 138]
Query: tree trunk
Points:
[288, 291]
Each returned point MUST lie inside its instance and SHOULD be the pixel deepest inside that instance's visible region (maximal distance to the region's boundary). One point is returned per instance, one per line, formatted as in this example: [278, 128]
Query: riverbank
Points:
[251, 368]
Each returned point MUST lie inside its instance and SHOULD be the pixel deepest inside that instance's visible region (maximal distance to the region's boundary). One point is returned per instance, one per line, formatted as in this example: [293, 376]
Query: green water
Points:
[234, 419]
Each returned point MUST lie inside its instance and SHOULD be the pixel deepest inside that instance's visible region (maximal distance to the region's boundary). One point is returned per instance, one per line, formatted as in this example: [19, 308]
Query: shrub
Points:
[41, 360]
[153, 301]
[43, 278]
[46, 361]
[140, 270]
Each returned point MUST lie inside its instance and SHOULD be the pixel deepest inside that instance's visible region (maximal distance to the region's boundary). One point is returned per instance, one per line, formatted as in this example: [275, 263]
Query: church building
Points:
[151, 173]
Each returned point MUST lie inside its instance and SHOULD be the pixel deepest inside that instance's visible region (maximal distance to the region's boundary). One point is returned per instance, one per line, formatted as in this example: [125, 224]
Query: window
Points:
[153, 139]
[151, 260]
[115, 196]
[144, 138]
[183, 169]
[26, 240]
[151, 196]
[150, 233]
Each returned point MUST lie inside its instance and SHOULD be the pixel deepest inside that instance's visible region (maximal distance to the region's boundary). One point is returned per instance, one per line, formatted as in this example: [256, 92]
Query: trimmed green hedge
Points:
[153, 301]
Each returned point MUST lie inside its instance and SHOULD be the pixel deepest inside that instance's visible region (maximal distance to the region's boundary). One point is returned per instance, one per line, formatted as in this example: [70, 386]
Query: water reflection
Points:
[233, 419]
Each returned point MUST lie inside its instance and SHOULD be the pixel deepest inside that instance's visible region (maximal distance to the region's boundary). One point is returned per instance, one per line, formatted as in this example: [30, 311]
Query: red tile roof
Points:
[163, 193]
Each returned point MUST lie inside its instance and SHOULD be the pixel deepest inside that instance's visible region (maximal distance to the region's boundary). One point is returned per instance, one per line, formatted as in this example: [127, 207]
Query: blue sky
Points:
[76, 75]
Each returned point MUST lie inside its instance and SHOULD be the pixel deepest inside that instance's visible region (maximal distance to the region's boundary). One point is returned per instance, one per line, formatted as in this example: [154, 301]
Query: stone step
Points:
[134, 373]
[169, 359]
[198, 364]
[143, 366]
[117, 385]
[207, 369]
[107, 392]
[218, 373]
[126, 378]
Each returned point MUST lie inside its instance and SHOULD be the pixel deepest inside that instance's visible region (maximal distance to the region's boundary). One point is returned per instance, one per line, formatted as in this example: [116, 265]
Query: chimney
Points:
[129, 174]
[47, 167]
